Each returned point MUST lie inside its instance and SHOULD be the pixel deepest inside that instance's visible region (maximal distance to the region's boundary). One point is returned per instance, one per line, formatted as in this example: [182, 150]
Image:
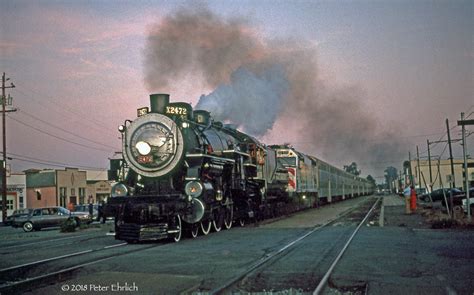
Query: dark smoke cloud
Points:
[258, 82]
[198, 41]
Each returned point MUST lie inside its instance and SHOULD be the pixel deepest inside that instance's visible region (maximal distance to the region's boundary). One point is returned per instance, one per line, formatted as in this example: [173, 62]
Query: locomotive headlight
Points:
[193, 189]
[119, 190]
[143, 148]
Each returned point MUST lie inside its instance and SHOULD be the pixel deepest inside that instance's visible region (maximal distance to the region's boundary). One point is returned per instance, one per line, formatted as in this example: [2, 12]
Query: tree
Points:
[391, 174]
[371, 180]
[352, 168]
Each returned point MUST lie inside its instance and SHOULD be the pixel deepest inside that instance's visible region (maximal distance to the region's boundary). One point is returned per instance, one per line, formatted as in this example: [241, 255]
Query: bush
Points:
[69, 225]
[444, 223]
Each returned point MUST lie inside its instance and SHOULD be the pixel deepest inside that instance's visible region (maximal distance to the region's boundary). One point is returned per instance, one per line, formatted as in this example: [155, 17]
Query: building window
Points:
[62, 196]
[10, 205]
[38, 195]
[82, 195]
[73, 191]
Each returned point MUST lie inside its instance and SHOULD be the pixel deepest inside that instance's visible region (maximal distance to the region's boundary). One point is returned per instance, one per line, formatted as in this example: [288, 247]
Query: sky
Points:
[345, 81]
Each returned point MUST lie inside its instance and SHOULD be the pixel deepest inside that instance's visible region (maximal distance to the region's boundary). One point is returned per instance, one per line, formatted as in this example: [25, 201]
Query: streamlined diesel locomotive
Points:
[182, 172]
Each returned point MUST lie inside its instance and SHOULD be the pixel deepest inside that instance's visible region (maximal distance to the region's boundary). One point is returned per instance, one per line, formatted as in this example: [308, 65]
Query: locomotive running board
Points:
[210, 157]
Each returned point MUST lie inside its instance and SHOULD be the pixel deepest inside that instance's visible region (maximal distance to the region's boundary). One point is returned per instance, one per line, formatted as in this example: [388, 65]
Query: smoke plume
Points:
[260, 82]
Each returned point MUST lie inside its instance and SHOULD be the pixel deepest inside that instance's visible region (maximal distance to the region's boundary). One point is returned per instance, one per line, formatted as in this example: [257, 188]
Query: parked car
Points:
[471, 203]
[460, 199]
[420, 191]
[49, 217]
[17, 213]
[438, 195]
[85, 208]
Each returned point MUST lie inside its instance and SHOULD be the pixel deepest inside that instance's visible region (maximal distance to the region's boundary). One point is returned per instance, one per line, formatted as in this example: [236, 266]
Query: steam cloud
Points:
[259, 82]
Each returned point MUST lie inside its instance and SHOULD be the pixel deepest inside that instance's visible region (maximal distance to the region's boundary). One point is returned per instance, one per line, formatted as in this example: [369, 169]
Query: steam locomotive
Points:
[182, 172]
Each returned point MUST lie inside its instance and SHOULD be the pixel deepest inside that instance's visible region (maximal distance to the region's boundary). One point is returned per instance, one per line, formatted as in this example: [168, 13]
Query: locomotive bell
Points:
[158, 102]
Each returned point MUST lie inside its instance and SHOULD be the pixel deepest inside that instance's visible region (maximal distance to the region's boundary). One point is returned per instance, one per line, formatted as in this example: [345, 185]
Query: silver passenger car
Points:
[49, 217]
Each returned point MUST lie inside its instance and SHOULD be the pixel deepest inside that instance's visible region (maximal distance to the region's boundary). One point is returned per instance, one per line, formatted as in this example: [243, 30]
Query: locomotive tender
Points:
[183, 172]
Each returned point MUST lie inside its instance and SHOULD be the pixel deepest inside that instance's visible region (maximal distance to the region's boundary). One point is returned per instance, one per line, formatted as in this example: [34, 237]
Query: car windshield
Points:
[64, 211]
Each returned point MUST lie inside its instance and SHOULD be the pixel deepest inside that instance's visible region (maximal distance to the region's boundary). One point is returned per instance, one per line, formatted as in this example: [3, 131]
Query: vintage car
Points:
[17, 213]
[438, 195]
[49, 217]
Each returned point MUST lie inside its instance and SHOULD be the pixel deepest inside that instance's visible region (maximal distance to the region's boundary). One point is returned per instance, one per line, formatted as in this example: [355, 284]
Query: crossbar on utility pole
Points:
[466, 182]
[4, 168]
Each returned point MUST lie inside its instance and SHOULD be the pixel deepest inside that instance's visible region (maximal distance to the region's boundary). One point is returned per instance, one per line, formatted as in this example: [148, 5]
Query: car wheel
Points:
[28, 226]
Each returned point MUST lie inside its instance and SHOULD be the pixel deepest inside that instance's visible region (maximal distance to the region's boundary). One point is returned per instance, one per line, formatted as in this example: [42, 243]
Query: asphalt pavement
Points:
[407, 256]
[393, 253]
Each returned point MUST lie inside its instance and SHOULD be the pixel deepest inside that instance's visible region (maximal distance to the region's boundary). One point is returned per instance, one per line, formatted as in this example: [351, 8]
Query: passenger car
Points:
[16, 213]
[49, 217]
[85, 208]
[438, 195]
[461, 199]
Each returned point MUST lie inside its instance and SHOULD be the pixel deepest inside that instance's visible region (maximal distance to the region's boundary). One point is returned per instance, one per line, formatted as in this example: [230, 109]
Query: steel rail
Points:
[59, 274]
[60, 257]
[324, 280]
[44, 241]
[220, 289]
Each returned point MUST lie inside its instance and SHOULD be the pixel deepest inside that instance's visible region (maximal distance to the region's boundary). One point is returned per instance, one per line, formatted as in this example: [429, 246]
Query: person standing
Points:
[91, 209]
[70, 206]
[413, 199]
[407, 194]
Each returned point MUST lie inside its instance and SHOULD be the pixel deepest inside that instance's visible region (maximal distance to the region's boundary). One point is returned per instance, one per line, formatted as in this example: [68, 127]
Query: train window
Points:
[287, 161]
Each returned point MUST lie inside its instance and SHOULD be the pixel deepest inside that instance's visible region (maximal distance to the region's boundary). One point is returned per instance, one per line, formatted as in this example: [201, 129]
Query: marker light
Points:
[119, 190]
[193, 189]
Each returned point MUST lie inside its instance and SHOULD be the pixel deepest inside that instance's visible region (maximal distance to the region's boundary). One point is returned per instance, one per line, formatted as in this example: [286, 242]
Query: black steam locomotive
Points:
[183, 172]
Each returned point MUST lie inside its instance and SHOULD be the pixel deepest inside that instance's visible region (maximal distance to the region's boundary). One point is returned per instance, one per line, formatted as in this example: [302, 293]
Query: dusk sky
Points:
[81, 68]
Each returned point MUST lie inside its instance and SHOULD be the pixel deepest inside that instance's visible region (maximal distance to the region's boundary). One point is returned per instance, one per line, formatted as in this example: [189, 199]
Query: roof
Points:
[41, 179]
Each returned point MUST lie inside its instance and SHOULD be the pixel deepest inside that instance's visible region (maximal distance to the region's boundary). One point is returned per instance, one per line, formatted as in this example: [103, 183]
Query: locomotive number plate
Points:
[145, 159]
[176, 111]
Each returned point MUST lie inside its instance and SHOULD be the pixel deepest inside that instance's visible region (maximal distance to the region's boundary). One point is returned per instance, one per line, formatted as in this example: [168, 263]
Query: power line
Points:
[58, 137]
[98, 126]
[66, 131]
[63, 165]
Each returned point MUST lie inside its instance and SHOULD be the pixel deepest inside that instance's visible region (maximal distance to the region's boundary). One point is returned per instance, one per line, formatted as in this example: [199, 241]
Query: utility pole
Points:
[429, 164]
[466, 177]
[418, 164]
[453, 183]
[4, 168]
[410, 175]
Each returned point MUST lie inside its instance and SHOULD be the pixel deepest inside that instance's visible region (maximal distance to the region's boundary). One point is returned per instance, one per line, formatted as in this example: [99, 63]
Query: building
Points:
[16, 191]
[98, 190]
[61, 187]
[98, 186]
[441, 175]
[55, 187]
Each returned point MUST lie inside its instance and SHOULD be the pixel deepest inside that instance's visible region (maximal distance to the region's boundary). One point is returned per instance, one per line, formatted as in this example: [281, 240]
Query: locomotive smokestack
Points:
[158, 102]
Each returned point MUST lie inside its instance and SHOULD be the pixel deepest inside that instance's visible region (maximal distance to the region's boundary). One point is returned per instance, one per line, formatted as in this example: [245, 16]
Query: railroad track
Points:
[254, 271]
[55, 242]
[28, 276]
